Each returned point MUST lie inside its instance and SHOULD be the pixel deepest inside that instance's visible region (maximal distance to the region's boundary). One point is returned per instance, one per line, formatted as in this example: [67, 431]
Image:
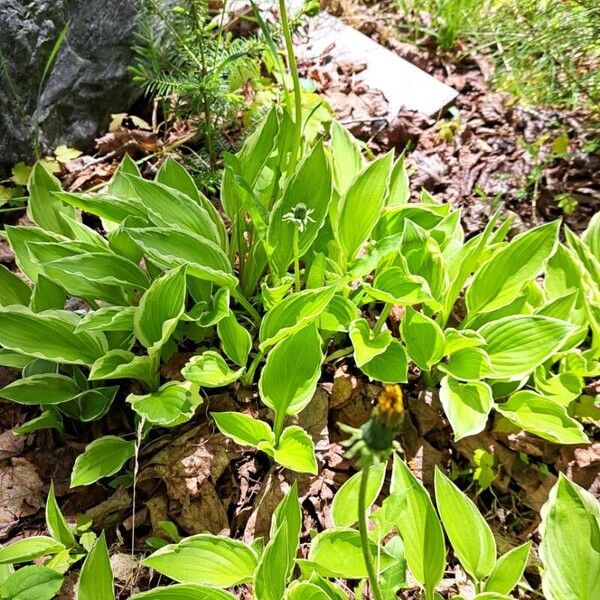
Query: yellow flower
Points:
[390, 406]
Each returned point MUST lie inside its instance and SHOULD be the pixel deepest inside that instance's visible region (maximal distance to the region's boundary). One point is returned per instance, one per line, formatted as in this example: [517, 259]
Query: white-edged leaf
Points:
[102, 458]
[210, 370]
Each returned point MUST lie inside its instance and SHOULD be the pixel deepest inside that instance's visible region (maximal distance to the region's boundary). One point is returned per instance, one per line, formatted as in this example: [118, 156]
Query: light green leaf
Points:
[419, 526]
[160, 309]
[569, 548]
[44, 208]
[390, 366]
[591, 236]
[32, 582]
[275, 565]
[44, 389]
[292, 314]
[304, 590]
[102, 458]
[518, 344]
[244, 429]
[29, 549]
[56, 522]
[500, 280]
[96, 577]
[468, 364]
[13, 290]
[48, 419]
[423, 337]
[91, 404]
[50, 335]
[338, 553]
[360, 207]
[172, 404]
[289, 511]
[399, 184]
[367, 345]
[172, 174]
[395, 286]
[289, 378]
[458, 340]
[205, 559]
[469, 534]
[236, 339]
[120, 364]
[543, 417]
[184, 591]
[108, 318]
[467, 406]
[344, 509]
[347, 158]
[508, 570]
[172, 248]
[112, 208]
[296, 451]
[210, 370]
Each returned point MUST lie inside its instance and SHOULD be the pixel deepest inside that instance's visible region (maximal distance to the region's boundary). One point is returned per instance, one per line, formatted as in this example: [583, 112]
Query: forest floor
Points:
[489, 153]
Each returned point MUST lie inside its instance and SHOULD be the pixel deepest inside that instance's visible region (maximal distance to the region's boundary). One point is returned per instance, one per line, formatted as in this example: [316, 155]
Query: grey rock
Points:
[88, 81]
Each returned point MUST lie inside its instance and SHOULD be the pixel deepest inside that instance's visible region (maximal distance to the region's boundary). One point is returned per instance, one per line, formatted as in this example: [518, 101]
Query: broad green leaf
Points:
[543, 417]
[344, 509]
[235, 339]
[338, 315]
[32, 582]
[13, 290]
[184, 591]
[90, 405]
[562, 388]
[590, 263]
[50, 335]
[47, 295]
[210, 370]
[304, 590]
[289, 378]
[109, 207]
[468, 364]
[172, 248]
[468, 532]
[289, 511]
[170, 208]
[419, 526]
[508, 570]
[108, 318]
[102, 458]
[172, 174]
[29, 549]
[395, 286]
[44, 389]
[499, 281]
[292, 314]
[97, 267]
[14, 360]
[516, 345]
[244, 429]
[367, 344]
[274, 566]
[423, 337]
[55, 521]
[205, 559]
[120, 364]
[43, 207]
[160, 309]
[361, 205]
[569, 548]
[458, 340]
[399, 184]
[48, 419]
[208, 314]
[390, 366]
[296, 451]
[96, 577]
[467, 406]
[20, 236]
[338, 553]
[591, 236]
[347, 158]
[172, 404]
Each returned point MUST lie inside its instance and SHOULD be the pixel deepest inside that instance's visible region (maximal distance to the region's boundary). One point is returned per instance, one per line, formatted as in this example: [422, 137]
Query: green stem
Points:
[382, 318]
[248, 378]
[339, 354]
[297, 258]
[364, 535]
[241, 299]
[293, 65]
[278, 426]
